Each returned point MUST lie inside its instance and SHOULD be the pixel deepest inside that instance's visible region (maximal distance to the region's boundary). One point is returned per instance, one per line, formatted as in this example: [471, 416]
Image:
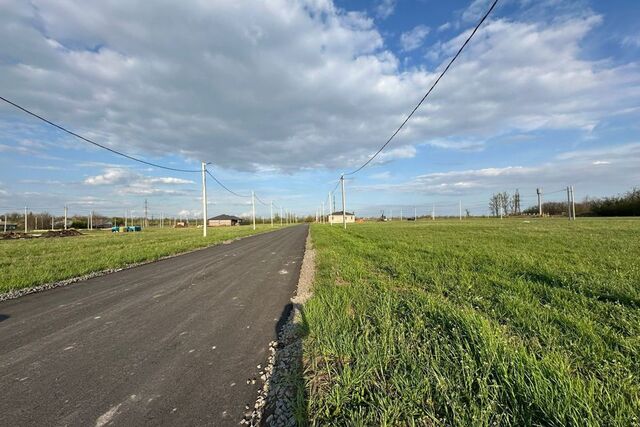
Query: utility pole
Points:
[204, 200]
[253, 208]
[25, 219]
[322, 212]
[65, 217]
[569, 203]
[331, 210]
[573, 204]
[391, 214]
[5, 223]
[271, 207]
[433, 212]
[344, 203]
[146, 220]
[400, 214]
[539, 192]
[460, 209]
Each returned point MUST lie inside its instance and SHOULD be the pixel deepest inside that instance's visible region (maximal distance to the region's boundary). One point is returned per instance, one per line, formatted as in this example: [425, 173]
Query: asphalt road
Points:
[168, 343]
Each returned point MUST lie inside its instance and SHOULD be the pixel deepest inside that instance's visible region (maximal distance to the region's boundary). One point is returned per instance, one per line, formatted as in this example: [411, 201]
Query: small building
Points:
[9, 226]
[336, 217]
[224, 221]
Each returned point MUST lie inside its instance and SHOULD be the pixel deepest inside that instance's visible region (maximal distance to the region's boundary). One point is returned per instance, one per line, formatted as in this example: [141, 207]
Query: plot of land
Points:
[475, 323]
[30, 262]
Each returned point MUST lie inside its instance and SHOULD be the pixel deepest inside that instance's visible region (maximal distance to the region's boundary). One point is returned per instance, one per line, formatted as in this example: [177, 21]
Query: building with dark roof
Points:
[224, 221]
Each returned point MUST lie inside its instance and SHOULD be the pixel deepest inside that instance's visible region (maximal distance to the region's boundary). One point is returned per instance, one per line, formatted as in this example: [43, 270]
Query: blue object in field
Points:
[125, 229]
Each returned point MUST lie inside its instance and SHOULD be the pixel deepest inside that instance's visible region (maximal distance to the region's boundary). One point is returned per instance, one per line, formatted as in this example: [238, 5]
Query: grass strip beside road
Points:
[32, 262]
[479, 322]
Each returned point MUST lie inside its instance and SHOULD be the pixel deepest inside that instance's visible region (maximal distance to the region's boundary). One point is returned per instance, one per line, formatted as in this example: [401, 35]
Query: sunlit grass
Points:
[479, 322]
[25, 263]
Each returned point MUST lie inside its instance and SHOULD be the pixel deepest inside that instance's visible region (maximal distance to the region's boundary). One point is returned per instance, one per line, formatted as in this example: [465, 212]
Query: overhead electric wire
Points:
[258, 199]
[104, 147]
[224, 186]
[493, 5]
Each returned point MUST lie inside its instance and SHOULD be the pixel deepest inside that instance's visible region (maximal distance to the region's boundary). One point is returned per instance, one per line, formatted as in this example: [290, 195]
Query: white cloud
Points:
[132, 183]
[444, 27]
[570, 168]
[413, 39]
[385, 8]
[631, 41]
[290, 85]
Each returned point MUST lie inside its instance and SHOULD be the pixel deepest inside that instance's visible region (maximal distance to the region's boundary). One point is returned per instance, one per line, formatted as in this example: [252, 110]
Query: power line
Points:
[493, 5]
[224, 186]
[31, 113]
[258, 199]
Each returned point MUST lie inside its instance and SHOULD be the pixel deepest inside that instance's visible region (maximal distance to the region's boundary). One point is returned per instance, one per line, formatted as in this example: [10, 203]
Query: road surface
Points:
[168, 343]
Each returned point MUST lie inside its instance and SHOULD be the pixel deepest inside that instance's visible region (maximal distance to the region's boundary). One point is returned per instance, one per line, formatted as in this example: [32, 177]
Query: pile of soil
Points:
[11, 235]
[62, 233]
[15, 235]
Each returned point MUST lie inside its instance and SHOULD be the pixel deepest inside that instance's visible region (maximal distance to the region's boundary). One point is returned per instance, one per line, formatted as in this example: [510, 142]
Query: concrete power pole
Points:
[415, 214]
[539, 192]
[204, 199]
[331, 210]
[65, 217]
[322, 213]
[146, 218]
[5, 223]
[573, 204]
[253, 208]
[25, 219]
[570, 204]
[400, 214]
[344, 203]
[433, 212]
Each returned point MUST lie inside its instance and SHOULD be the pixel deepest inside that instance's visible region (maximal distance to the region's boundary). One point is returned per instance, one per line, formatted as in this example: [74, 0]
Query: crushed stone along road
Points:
[175, 342]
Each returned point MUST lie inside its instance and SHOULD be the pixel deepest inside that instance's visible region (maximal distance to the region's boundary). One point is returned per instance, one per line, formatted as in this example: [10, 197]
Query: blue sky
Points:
[283, 96]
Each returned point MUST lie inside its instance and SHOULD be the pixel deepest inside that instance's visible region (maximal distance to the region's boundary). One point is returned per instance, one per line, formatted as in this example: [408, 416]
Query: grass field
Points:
[479, 322]
[25, 263]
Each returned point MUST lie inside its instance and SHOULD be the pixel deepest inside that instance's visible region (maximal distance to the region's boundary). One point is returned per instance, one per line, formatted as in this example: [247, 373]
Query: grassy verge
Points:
[480, 322]
[26, 263]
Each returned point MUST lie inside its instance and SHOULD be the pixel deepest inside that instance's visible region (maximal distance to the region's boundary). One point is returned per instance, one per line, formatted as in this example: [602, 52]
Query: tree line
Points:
[626, 204]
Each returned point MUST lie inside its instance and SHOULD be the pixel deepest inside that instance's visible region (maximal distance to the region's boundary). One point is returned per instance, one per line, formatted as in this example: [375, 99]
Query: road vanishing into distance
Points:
[168, 343]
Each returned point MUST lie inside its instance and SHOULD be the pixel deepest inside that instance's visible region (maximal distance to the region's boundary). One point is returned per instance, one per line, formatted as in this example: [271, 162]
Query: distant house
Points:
[224, 221]
[336, 217]
[8, 226]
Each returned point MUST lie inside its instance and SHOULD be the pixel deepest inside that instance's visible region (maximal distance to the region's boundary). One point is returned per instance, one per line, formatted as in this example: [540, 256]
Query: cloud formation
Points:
[413, 39]
[290, 85]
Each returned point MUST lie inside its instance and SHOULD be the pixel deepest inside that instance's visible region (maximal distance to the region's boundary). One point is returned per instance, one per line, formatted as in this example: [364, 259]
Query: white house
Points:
[336, 217]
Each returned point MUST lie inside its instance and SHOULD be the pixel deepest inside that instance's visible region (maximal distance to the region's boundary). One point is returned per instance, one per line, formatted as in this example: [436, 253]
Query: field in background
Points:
[25, 263]
[479, 322]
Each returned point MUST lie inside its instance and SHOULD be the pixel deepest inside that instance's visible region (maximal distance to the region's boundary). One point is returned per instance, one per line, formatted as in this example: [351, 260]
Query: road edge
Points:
[18, 293]
[277, 398]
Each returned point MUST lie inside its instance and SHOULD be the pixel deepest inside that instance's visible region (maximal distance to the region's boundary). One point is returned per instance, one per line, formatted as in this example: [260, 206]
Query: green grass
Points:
[479, 322]
[26, 263]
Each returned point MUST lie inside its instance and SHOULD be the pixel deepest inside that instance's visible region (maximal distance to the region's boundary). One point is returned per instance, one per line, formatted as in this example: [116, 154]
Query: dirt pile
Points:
[11, 235]
[62, 233]
[14, 235]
